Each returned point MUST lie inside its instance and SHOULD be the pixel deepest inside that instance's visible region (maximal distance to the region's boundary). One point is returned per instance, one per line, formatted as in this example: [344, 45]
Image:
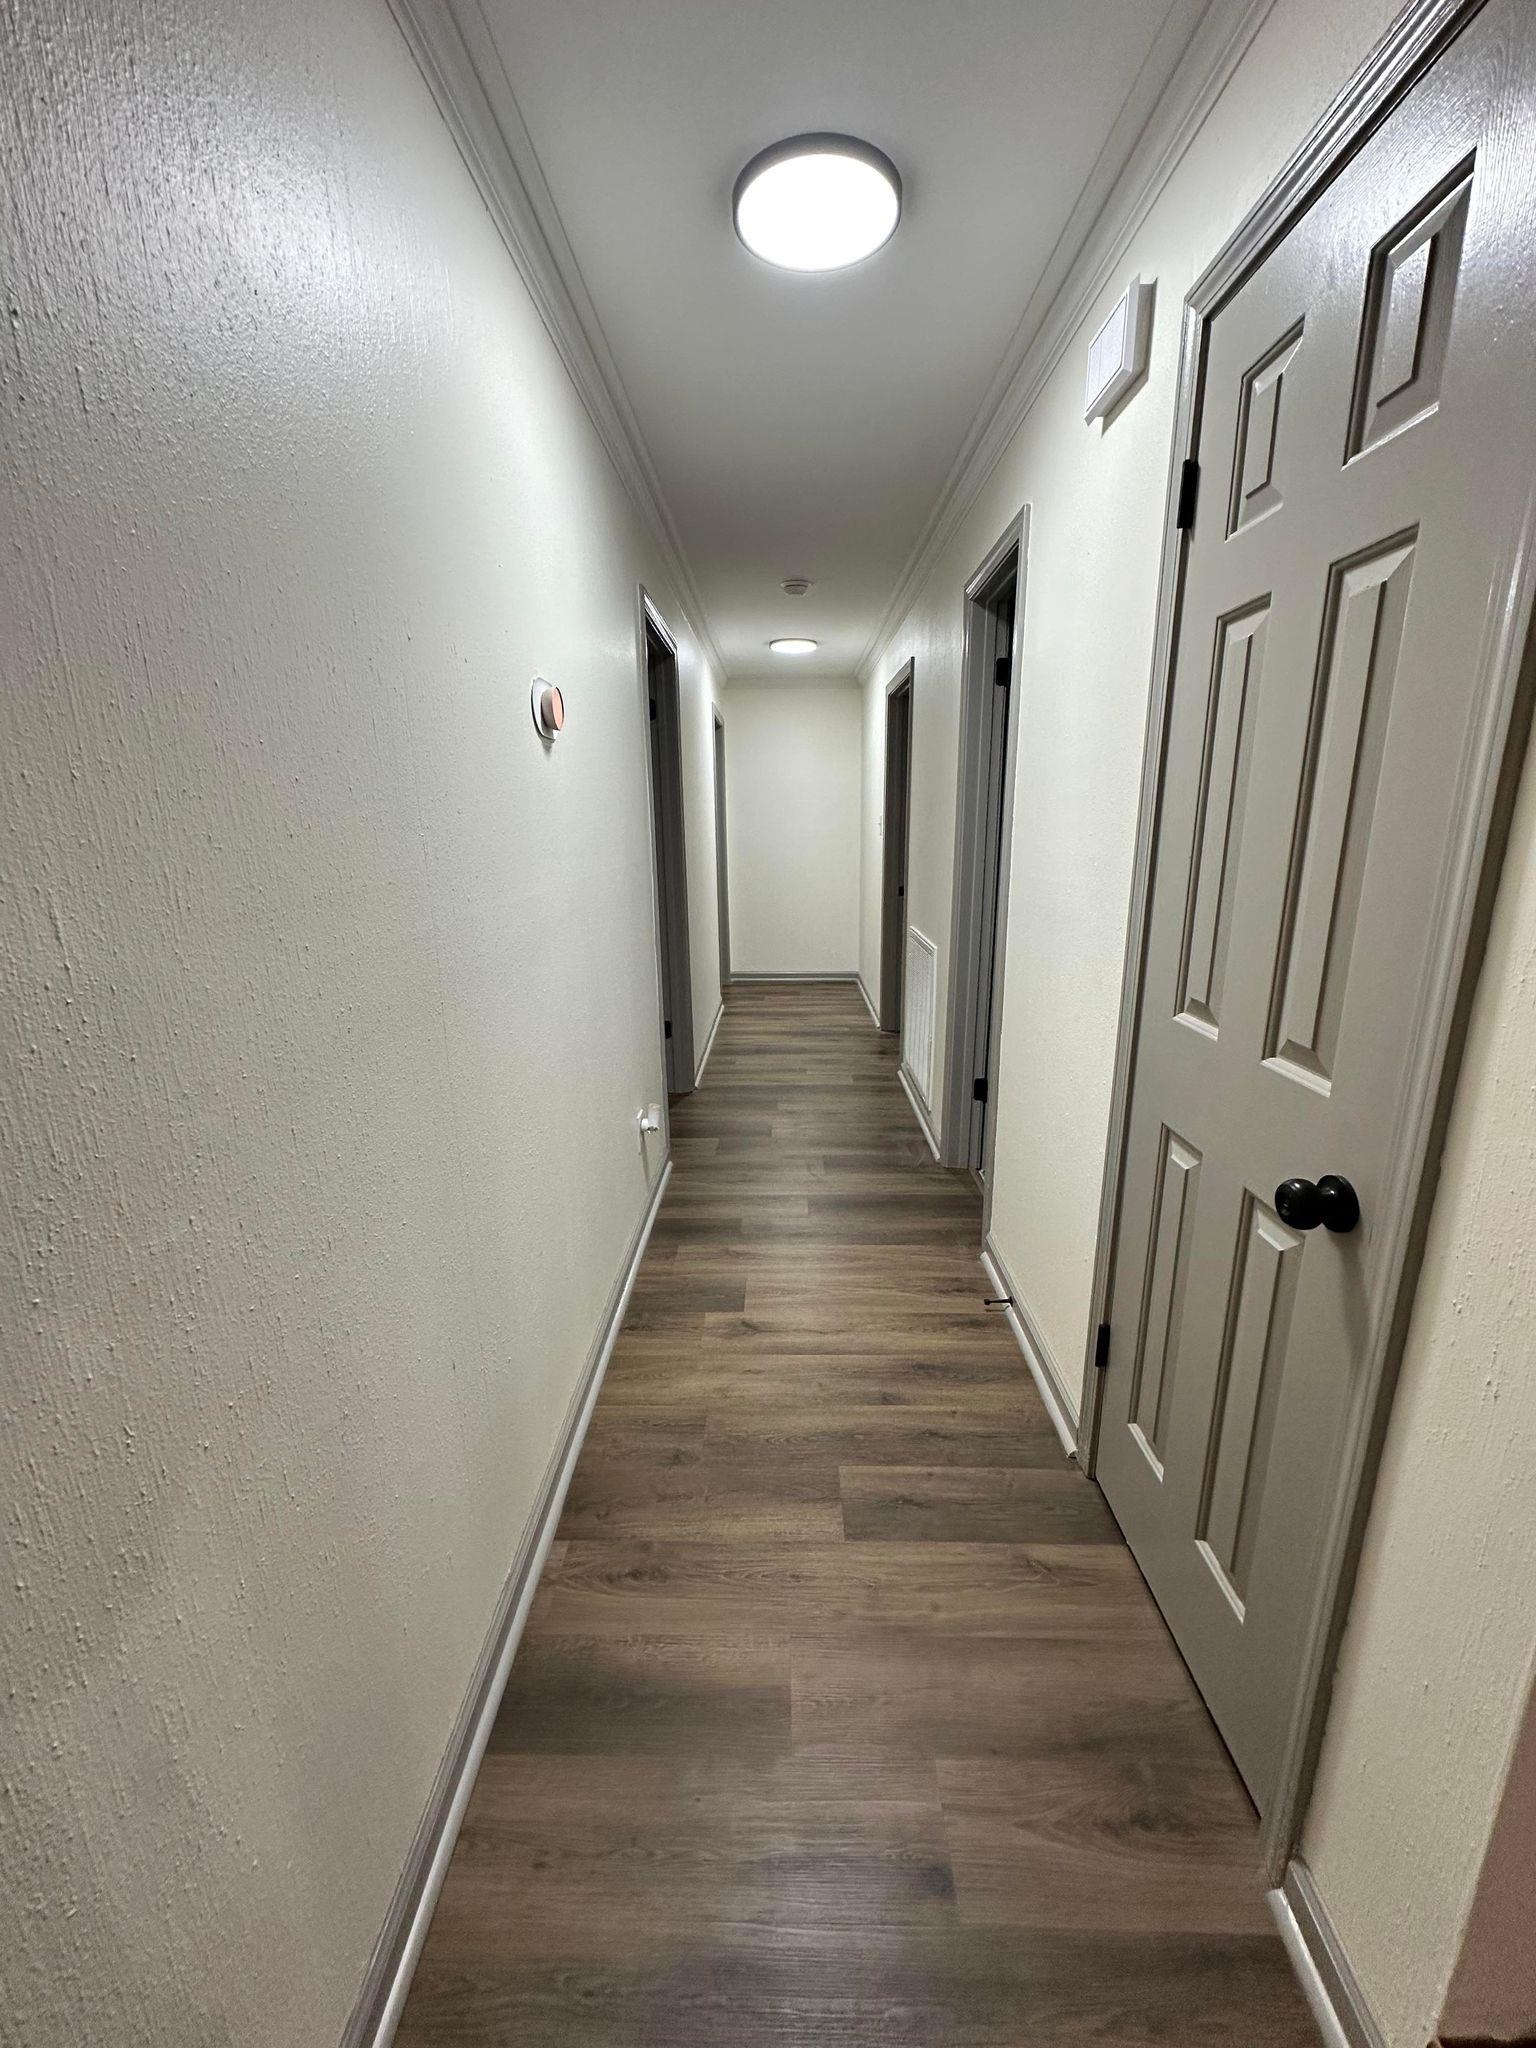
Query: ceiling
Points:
[805, 425]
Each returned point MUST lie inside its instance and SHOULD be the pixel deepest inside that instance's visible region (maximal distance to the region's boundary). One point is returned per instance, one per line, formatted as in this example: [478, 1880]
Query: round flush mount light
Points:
[548, 709]
[817, 202]
[793, 646]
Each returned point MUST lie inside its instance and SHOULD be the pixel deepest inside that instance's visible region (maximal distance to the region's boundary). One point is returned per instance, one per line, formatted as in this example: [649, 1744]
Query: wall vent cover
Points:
[917, 1025]
[1117, 354]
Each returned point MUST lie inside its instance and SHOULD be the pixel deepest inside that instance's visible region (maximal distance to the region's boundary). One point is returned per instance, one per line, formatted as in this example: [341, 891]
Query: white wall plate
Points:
[1117, 354]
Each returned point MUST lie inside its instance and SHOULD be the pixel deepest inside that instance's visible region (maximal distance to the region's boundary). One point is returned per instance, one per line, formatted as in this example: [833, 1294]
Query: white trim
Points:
[709, 1044]
[1037, 1356]
[1099, 232]
[457, 57]
[837, 974]
[1322, 1968]
[904, 1076]
[389, 1978]
[874, 1014]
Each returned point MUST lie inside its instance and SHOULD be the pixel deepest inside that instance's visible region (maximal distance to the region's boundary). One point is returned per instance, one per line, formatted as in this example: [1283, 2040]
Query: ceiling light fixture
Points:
[817, 202]
[793, 646]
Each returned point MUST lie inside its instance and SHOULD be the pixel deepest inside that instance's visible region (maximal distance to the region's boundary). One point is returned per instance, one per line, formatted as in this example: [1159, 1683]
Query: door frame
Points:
[966, 900]
[669, 859]
[722, 858]
[1489, 776]
[894, 861]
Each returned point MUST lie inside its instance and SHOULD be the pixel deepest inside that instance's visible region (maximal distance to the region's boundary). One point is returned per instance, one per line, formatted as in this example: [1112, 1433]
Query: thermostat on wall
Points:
[548, 709]
[1117, 354]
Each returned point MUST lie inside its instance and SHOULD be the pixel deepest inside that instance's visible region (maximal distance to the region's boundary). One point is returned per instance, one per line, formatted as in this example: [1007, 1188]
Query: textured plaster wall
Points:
[794, 768]
[1436, 1663]
[1440, 1637]
[1492, 1994]
[328, 994]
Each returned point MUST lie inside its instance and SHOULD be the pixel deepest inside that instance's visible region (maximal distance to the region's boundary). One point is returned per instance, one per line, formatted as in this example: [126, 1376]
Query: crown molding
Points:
[1146, 145]
[455, 53]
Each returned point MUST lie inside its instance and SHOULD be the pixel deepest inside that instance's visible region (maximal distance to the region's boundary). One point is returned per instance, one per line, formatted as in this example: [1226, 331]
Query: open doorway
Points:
[722, 871]
[893, 901]
[985, 813]
[666, 760]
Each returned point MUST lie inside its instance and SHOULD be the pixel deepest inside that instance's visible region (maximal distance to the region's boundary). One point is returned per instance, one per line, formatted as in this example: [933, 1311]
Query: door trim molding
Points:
[874, 1015]
[1419, 36]
[667, 800]
[1322, 1967]
[954, 1107]
[902, 680]
[722, 844]
[388, 1980]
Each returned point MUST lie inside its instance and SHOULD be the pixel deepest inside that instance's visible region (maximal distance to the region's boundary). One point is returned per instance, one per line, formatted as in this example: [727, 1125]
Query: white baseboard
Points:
[1043, 1369]
[383, 1996]
[709, 1045]
[874, 1014]
[841, 974]
[924, 1122]
[1322, 1968]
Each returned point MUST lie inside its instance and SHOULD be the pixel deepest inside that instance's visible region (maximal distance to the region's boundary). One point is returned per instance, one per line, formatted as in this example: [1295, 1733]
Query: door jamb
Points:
[968, 881]
[902, 680]
[722, 849]
[668, 802]
[1507, 657]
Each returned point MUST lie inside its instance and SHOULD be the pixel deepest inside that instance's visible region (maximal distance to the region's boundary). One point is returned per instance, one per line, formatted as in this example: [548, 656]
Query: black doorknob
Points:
[1330, 1201]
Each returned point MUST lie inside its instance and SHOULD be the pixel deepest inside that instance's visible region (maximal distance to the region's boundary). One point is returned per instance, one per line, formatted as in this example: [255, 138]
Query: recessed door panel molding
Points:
[1352, 695]
[1410, 298]
[1163, 1294]
[1257, 1331]
[1255, 491]
[1236, 672]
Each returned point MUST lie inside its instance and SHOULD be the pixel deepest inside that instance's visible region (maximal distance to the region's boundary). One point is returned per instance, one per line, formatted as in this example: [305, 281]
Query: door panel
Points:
[1365, 444]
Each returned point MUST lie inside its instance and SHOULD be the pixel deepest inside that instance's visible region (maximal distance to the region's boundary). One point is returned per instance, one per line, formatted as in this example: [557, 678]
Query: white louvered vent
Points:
[917, 1024]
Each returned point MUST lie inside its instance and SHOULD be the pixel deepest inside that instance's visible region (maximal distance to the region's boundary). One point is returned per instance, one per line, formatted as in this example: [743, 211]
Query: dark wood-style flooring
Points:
[843, 1716]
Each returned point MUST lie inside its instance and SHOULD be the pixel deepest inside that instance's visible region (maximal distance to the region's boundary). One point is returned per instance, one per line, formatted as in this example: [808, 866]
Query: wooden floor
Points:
[843, 1716]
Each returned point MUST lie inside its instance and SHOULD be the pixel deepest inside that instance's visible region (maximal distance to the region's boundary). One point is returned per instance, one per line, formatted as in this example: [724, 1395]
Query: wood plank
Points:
[819, 1592]
[968, 1505]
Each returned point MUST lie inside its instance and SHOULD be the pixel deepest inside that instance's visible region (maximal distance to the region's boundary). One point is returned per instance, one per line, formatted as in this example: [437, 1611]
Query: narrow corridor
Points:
[843, 1715]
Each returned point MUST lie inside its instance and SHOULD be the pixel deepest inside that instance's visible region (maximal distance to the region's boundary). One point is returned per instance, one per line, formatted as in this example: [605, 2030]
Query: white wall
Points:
[1443, 1612]
[302, 1254]
[1436, 1663]
[793, 776]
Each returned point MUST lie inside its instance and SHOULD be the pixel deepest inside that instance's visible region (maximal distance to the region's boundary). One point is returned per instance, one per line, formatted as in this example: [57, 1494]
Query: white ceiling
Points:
[805, 425]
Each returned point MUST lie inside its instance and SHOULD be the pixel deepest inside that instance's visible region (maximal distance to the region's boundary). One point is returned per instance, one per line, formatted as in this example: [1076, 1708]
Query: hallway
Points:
[843, 1715]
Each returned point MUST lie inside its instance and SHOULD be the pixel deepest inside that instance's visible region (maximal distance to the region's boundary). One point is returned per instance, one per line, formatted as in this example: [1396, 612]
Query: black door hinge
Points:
[1189, 491]
[666, 1029]
[653, 707]
[979, 1088]
[1002, 671]
[1101, 1348]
